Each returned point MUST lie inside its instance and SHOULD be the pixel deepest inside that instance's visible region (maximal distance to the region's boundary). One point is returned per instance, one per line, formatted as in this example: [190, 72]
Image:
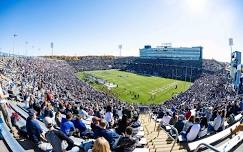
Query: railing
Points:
[176, 132]
[206, 145]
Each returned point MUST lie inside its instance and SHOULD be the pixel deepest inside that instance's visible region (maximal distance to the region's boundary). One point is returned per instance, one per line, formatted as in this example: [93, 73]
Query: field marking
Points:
[162, 89]
[143, 85]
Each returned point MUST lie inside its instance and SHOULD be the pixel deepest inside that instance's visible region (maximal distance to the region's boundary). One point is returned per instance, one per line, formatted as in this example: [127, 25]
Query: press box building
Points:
[168, 52]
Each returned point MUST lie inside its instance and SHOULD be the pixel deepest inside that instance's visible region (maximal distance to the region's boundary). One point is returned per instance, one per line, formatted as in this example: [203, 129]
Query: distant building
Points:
[168, 52]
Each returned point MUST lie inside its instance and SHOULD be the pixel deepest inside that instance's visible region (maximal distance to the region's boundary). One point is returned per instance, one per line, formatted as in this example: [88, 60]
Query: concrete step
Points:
[176, 147]
[160, 143]
[167, 148]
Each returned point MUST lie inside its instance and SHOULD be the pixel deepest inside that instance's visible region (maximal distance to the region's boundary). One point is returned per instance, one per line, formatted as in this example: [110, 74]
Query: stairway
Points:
[157, 142]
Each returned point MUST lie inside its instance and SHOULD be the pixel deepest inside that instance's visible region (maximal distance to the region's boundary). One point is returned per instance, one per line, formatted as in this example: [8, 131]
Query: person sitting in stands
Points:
[238, 128]
[174, 119]
[100, 145]
[67, 125]
[109, 116]
[187, 126]
[215, 125]
[126, 143]
[188, 114]
[58, 118]
[109, 135]
[122, 124]
[194, 130]
[135, 122]
[160, 114]
[35, 132]
[48, 111]
[204, 127]
[222, 127]
[79, 124]
[56, 137]
[180, 123]
[3, 103]
[68, 109]
[166, 119]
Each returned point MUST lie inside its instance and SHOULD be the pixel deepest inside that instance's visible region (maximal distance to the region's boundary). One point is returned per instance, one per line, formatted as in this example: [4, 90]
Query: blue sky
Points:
[97, 27]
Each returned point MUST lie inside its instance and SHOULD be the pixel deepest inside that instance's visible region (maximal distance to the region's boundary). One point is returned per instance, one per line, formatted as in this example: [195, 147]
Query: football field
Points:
[135, 88]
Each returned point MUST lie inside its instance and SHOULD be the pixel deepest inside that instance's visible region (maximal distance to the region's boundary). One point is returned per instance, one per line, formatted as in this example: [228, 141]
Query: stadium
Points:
[143, 96]
[156, 95]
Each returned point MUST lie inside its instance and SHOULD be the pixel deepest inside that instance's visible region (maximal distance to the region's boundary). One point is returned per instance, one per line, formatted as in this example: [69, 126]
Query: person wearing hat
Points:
[35, 132]
[56, 137]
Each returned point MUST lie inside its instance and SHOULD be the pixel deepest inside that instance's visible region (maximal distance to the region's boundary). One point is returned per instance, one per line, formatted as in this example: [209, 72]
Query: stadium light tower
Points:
[26, 48]
[120, 48]
[14, 36]
[231, 43]
[52, 45]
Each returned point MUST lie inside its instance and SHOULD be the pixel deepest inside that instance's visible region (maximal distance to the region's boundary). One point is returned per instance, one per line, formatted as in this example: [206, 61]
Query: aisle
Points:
[160, 143]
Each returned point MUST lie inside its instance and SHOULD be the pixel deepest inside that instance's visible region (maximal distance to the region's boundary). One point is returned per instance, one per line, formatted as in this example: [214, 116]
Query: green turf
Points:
[160, 89]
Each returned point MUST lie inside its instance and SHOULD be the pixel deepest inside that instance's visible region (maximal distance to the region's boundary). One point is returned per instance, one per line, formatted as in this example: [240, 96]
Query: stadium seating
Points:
[212, 139]
[210, 89]
[77, 141]
[8, 137]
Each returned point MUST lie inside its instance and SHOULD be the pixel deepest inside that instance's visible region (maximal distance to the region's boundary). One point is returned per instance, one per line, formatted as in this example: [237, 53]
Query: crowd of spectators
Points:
[53, 94]
[176, 69]
[69, 107]
[208, 106]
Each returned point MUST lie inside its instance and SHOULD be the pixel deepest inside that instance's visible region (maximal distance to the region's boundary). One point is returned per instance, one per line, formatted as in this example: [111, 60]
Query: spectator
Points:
[79, 124]
[35, 132]
[166, 119]
[193, 130]
[58, 119]
[56, 137]
[188, 114]
[214, 125]
[204, 127]
[126, 143]
[100, 145]
[3, 106]
[109, 115]
[67, 125]
[180, 123]
[188, 123]
[48, 111]
[174, 119]
[122, 124]
[237, 128]
[135, 122]
[109, 135]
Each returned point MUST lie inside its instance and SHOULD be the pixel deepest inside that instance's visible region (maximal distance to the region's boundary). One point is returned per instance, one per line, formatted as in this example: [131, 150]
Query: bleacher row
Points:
[157, 140]
[15, 146]
[222, 141]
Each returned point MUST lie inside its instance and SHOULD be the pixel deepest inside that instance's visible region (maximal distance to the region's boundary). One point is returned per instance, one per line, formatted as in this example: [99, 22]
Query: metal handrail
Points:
[173, 128]
[206, 145]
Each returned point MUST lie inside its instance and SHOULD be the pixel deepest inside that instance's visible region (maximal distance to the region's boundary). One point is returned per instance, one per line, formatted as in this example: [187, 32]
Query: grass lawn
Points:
[151, 89]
